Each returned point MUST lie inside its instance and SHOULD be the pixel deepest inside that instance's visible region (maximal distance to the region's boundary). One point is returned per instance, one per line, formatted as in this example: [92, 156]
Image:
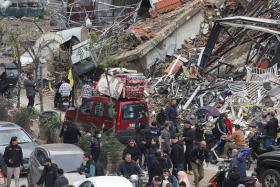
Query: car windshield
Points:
[68, 162]
[133, 111]
[5, 136]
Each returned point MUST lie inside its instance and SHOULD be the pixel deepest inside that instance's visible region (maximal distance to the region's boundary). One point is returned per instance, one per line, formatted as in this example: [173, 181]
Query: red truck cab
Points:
[100, 114]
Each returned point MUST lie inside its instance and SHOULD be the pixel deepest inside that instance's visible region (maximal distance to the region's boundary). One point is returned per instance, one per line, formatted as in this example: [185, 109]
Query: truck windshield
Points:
[133, 111]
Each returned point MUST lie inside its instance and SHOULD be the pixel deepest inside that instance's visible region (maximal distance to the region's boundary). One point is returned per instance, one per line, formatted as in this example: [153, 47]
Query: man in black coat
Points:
[14, 160]
[189, 137]
[177, 155]
[49, 174]
[198, 156]
[70, 133]
[133, 150]
[128, 167]
[61, 180]
[271, 130]
[94, 146]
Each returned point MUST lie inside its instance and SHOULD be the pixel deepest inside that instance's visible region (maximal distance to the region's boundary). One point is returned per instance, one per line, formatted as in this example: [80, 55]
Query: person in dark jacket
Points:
[177, 155]
[61, 180]
[154, 146]
[132, 148]
[70, 133]
[128, 167]
[153, 132]
[189, 137]
[3, 83]
[166, 137]
[171, 115]
[167, 175]
[49, 174]
[94, 145]
[13, 158]
[57, 94]
[99, 171]
[271, 130]
[155, 167]
[198, 156]
[220, 127]
[161, 118]
[30, 90]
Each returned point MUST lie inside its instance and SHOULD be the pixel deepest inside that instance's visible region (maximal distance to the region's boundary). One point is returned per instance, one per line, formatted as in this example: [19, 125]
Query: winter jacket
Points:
[199, 154]
[155, 168]
[30, 87]
[70, 134]
[189, 135]
[171, 114]
[220, 128]
[90, 169]
[48, 176]
[13, 153]
[61, 181]
[272, 127]
[94, 148]
[177, 154]
[134, 151]
[127, 169]
[165, 136]
[161, 118]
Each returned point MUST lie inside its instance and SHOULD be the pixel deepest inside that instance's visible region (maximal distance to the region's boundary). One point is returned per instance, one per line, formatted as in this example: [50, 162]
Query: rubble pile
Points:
[233, 68]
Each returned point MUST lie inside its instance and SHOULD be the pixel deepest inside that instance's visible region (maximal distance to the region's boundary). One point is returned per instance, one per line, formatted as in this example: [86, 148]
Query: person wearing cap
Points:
[234, 141]
[87, 92]
[189, 137]
[14, 160]
[132, 148]
[61, 180]
[49, 174]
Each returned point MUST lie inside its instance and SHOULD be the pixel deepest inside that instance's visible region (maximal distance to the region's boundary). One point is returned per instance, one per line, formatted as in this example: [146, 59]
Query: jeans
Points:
[268, 142]
[198, 172]
[13, 171]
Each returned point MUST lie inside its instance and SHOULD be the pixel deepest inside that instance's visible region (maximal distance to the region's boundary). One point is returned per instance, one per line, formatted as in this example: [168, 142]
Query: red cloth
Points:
[229, 125]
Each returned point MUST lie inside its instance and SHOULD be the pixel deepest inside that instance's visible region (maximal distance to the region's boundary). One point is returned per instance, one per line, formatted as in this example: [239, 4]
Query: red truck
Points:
[130, 113]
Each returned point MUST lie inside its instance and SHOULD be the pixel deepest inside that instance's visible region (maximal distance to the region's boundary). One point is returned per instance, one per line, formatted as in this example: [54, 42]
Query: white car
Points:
[104, 181]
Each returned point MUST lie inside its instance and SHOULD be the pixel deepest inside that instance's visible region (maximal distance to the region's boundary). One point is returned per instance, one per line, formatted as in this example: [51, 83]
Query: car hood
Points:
[74, 177]
[27, 149]
[270, 154]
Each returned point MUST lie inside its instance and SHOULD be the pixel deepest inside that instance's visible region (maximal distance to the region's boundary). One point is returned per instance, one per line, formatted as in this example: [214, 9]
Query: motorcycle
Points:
[63, 103]
[243, 152]
[220, 178]
[256, 143]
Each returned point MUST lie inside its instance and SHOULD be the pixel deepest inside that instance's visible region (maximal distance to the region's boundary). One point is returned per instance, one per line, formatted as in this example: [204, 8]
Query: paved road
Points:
[209, 172]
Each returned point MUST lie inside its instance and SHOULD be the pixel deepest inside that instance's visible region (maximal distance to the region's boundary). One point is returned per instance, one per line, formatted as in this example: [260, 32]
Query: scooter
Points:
[219, 179]
[256, 143]
[243, 152]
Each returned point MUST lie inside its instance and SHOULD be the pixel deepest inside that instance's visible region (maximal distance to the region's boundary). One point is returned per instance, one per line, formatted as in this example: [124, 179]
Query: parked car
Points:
[268, 169]
[104, 181]
[66, 156]
[27, 143]
[99, 114]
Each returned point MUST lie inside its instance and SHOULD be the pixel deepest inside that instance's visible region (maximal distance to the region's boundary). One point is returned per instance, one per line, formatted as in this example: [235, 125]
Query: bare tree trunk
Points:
[41, 90]
[19, 80]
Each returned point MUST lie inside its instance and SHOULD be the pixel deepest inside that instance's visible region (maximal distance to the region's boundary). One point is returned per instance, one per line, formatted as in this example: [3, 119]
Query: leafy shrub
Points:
[23, 117]
[50, 125]
[5, 105]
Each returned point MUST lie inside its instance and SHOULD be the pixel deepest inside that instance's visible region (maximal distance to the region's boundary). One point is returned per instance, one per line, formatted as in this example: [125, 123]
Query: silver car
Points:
[27, 143]
[66, 156]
